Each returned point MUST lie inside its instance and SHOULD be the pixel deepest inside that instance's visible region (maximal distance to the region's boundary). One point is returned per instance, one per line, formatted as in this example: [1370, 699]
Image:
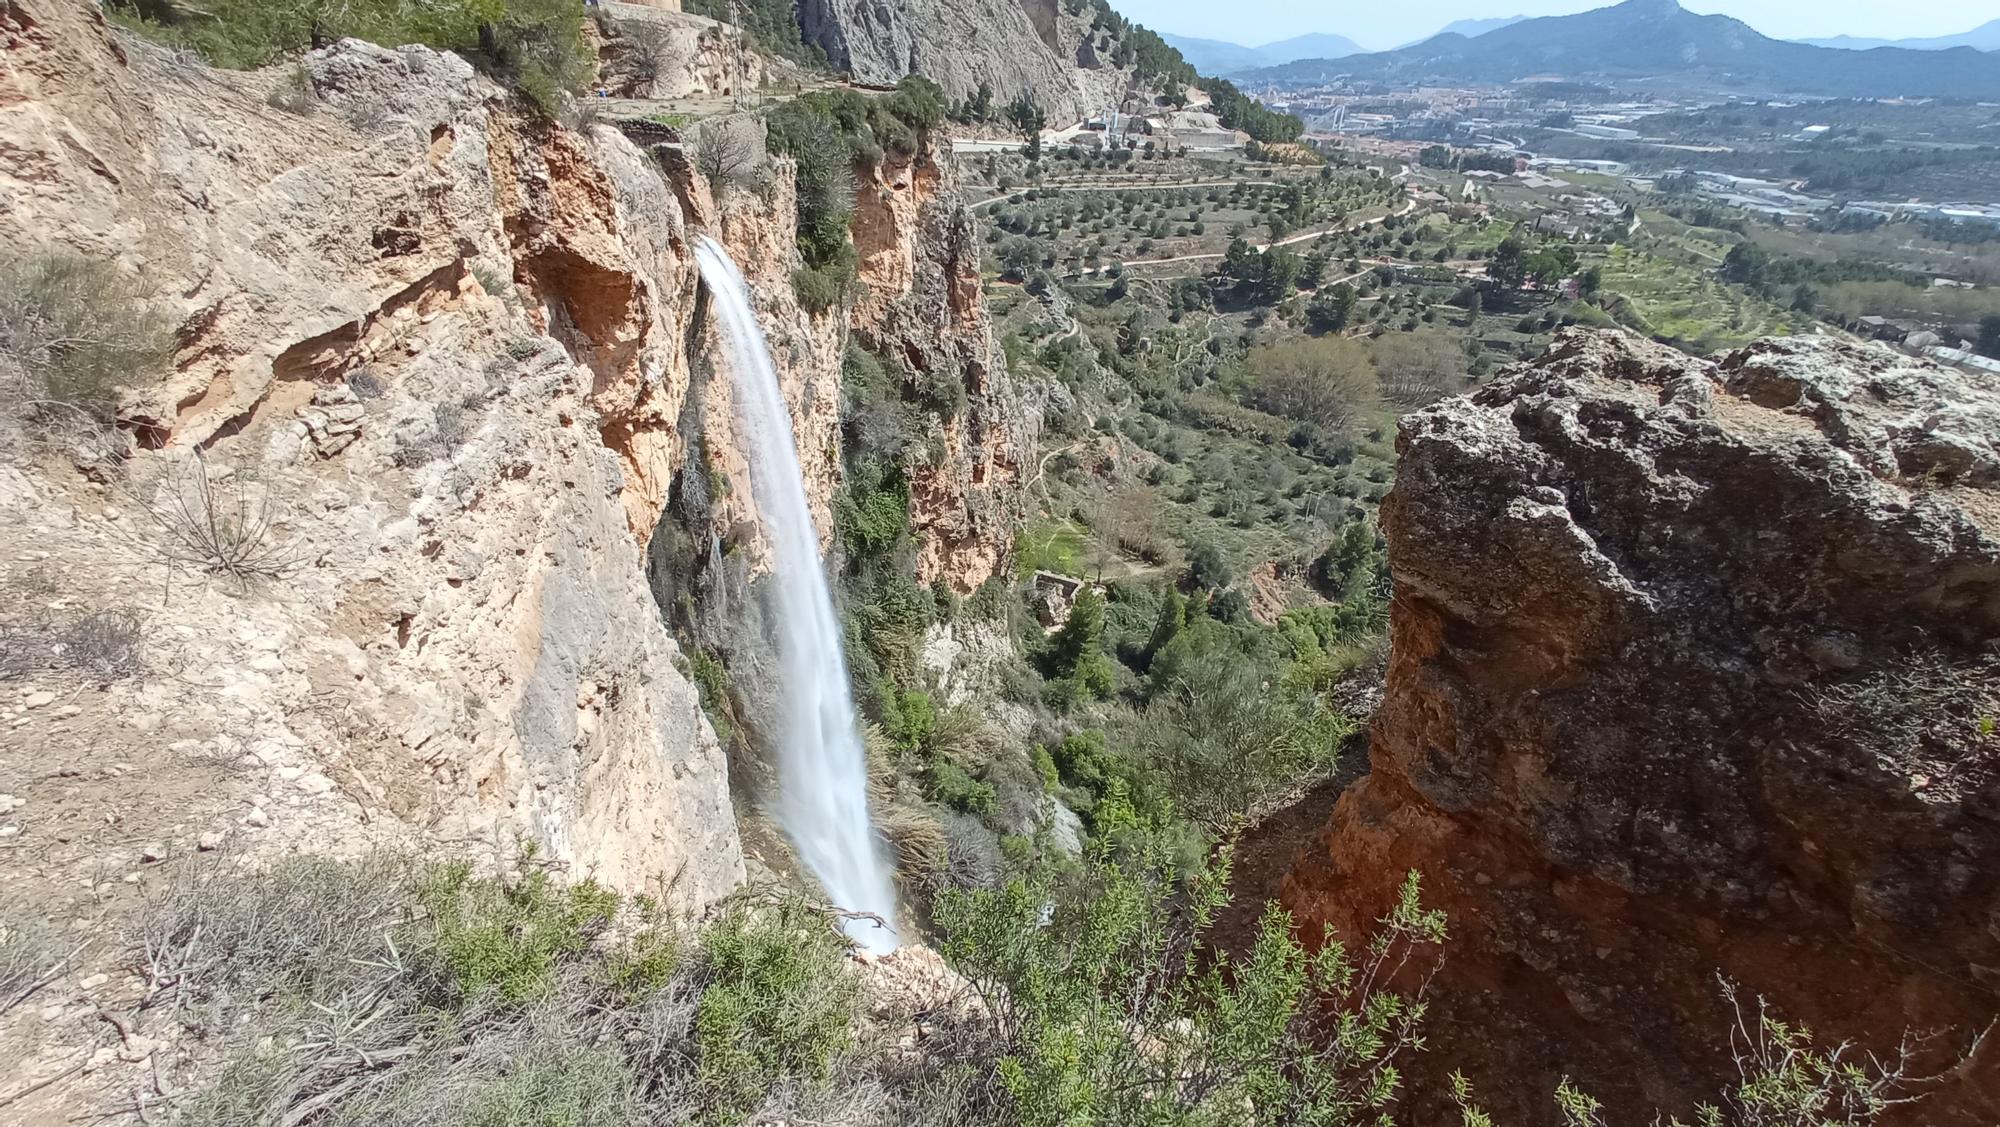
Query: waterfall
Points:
[822, 771]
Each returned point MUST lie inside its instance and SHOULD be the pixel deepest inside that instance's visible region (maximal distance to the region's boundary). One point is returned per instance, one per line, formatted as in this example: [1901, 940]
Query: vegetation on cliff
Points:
[828, 134]
[535, 44]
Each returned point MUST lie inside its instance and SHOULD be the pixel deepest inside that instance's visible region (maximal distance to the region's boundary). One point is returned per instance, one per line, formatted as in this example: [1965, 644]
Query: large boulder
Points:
[1693, 674]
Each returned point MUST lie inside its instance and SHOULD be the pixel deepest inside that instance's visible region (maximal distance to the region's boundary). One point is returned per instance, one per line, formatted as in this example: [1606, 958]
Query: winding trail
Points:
[1019, 192]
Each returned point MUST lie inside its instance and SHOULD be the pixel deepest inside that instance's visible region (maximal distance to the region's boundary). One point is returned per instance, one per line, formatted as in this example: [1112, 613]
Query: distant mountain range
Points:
[1218, 57]
[1985, 37]
[1472, 29]
[1659, 41]
[1213, 56]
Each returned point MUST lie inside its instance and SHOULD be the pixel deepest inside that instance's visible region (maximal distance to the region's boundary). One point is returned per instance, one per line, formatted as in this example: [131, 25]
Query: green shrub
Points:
[990, 602]
[776, 1005]
[1207, 569]
[806, 132]
[872, 518]
[1083, 760]
[711, 681]
[1100, 1005]
[539, 44]
[819, 289]
[1107, 1018]
[772, 24]
[1074, 657]
[909, 717]
[943, 391]
[561, 1082]
[949, 784]
[508, 936]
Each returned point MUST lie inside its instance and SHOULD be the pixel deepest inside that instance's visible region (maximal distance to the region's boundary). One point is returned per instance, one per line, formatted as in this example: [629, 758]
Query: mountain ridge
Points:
[1659, 41]
[1985, 37]
[1470, 28]
[1221, 57]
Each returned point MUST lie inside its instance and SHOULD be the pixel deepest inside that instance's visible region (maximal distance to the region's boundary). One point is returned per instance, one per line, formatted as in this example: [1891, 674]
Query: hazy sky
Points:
[1378, 26]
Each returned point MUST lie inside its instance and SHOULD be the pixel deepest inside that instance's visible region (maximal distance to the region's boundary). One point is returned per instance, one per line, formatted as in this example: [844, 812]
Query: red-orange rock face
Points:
[1693, 673]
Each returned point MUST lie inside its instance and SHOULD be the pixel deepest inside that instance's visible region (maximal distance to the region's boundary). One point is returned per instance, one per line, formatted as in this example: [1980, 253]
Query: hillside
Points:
[1659, 41]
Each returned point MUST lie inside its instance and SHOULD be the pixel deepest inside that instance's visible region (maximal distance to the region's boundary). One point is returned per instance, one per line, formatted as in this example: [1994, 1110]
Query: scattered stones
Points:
[9, 804]
[333, 421]
[211, 841]
[257, 817]
[41, 699]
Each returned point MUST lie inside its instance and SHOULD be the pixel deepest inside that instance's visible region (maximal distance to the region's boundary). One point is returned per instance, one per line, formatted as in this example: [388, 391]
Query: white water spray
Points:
[822, 772]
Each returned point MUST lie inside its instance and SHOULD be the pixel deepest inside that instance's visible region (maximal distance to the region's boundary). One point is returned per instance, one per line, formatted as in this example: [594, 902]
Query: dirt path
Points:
[1019, 192]
[1269, 848]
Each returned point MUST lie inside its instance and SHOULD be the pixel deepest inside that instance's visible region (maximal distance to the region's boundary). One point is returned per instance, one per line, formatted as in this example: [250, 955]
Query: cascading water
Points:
[822, 772]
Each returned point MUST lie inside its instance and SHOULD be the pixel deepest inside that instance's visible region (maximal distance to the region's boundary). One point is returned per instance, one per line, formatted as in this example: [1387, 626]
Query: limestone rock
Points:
[654, 51]
[1016, 47]
[1692, 664]
[516, 300]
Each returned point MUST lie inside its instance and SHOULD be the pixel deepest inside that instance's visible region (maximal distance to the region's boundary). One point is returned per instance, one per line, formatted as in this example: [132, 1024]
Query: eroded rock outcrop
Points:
[1693, 673]
[921, 306]
[658, 51]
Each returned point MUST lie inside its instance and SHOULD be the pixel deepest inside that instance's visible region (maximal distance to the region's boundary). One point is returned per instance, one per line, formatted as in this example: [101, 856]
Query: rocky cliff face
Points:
[922, 304]
[1032, 47]
[454, 351]
[1693, 672]
[658, 51]
[447, 345]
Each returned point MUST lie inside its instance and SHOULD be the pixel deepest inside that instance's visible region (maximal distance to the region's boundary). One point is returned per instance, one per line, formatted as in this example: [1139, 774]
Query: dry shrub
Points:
[1329, 381]
[29, 953]
[218, 524]
[910, 825]
[1416, 369]
[962, 736]
[726, 150]
[1925, 713]
[72, 332]
[102, 644]
[294, 92]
